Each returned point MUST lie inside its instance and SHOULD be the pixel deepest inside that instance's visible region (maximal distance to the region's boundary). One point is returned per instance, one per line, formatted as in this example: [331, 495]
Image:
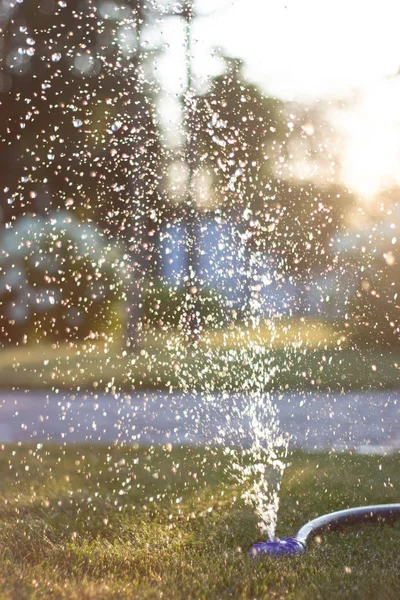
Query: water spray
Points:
[330, 522]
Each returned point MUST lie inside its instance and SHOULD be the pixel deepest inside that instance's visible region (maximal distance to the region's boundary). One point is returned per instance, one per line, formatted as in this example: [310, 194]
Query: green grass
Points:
[158, 365]
[294, 354]
[67, 531]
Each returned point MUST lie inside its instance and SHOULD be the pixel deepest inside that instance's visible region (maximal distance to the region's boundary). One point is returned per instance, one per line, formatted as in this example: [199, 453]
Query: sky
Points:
[304, 49]
[309, 50]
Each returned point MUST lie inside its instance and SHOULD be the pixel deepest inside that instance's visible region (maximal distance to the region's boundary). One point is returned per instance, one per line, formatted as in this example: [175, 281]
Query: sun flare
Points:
[371, 158]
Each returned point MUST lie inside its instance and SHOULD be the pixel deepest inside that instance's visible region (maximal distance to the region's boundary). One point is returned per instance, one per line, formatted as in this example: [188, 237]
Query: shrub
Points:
[58, 278]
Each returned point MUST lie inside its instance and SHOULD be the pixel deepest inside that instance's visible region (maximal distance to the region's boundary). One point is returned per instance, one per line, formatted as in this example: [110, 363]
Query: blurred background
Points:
[173, 172]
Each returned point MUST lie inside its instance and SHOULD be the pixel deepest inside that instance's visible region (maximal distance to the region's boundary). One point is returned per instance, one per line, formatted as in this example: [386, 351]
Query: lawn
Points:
[294, 354]
[81, 522]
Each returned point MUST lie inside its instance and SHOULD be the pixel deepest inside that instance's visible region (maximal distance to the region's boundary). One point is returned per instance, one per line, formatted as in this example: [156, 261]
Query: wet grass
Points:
[80, 522]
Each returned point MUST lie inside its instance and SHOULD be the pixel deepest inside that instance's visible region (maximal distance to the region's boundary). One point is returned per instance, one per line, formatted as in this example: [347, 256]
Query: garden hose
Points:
[330, 522]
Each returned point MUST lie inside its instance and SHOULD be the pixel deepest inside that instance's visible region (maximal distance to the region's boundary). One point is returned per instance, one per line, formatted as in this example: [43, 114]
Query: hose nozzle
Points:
[280, 547]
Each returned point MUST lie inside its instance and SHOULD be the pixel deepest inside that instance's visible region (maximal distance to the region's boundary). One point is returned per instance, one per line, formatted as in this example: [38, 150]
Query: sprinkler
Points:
[331, 522]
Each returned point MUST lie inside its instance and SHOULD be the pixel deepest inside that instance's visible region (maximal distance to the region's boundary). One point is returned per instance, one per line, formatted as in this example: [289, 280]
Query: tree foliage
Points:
[78, 117]
[244, 139]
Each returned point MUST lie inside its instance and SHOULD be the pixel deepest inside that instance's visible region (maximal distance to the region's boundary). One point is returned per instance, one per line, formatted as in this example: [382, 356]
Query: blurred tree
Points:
[372, 253]
[239, 132]
[245, 142]
[298, 224]
[77, 119]
[78, 125]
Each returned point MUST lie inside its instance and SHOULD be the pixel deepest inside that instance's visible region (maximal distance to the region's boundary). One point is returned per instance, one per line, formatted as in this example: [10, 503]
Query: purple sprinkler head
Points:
[288, 546]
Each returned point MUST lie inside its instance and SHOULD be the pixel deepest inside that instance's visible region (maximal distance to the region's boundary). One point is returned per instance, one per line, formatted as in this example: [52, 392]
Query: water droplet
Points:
[116, 126]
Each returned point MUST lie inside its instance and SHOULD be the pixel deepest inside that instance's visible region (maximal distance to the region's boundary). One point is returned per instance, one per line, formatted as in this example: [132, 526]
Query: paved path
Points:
[365, 422]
